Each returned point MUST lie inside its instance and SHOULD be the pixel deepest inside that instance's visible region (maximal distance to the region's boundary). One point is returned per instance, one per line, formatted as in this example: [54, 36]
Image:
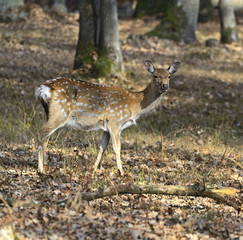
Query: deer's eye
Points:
[169, 77]
[155, 76]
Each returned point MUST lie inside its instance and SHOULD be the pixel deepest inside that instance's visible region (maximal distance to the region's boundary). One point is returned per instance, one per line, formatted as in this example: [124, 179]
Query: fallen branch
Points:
[227, 196]
[221, 195]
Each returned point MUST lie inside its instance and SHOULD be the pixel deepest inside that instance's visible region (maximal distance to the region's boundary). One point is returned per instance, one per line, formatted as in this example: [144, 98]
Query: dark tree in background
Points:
[227, 22]
[206, 10]
[42, 3]
[98, 42]
[191, 9]
[86, 43]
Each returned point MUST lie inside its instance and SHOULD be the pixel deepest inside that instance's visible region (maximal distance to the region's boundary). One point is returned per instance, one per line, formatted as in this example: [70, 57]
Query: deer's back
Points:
[90, 104]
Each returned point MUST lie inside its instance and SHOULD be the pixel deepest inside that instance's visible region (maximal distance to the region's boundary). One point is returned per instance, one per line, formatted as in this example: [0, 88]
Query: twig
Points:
[6, 203]
[237, 163]
[112, 183]
[214, 165]
[162, 140]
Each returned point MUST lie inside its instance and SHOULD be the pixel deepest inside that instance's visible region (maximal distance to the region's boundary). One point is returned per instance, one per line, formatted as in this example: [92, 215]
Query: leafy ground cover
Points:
[200, 119]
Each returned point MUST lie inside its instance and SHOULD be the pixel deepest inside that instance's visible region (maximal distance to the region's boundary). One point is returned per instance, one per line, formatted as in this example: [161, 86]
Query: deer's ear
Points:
[149, 65]
[174, 67]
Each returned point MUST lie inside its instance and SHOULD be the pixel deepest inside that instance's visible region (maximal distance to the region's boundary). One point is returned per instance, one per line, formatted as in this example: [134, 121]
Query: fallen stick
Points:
[220, 195]
[227, 196]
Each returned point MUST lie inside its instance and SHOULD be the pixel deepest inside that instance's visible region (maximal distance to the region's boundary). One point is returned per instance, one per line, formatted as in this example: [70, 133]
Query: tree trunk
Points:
[126, 8]
[227, 22]
[99, 33]
[149, 8]
[86, 44]
[237, 4]
[191, 8]
[110, 56]
[205, 11]
[179, 20]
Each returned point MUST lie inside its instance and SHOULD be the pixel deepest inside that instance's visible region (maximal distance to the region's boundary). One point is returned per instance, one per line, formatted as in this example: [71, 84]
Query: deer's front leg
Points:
[104, 143]
[116, 144]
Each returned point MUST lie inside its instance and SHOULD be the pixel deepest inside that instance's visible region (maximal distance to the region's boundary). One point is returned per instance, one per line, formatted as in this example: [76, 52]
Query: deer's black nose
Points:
[165, 87]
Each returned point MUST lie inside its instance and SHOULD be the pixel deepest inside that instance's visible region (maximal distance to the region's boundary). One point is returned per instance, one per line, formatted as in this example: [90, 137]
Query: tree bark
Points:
[149, 8]
[227, 22]
[206, 10]
[85, 46]
[179, 20]
[99, 33]
[109, 45]
[191, 8]
[237, 4]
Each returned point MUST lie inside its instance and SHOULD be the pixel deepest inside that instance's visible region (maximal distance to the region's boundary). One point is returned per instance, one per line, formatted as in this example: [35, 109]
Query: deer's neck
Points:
[150, 95]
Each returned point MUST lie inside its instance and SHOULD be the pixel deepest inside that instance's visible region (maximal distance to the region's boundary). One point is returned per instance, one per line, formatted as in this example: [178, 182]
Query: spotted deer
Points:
[86, 106]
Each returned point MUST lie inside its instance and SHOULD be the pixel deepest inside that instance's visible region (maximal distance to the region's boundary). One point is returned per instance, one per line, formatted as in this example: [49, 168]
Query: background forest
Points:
[194, 138]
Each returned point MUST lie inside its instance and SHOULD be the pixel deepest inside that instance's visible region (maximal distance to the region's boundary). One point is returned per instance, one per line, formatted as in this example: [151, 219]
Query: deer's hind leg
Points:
[43, 138]
[104, 143]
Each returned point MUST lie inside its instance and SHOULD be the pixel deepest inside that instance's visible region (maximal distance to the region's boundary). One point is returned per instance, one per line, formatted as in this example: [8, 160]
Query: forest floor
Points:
[200, 119]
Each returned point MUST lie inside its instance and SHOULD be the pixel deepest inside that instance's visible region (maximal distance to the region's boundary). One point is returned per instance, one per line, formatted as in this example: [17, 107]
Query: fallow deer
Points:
[85, 106]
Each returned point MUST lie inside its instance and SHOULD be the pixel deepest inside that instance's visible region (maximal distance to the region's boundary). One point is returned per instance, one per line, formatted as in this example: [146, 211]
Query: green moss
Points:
[83, 55]
[229, 35]
[107, 65]
[103, 67]
[80, 61]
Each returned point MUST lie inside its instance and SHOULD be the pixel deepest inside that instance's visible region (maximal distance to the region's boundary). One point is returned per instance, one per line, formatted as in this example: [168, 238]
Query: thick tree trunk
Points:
[86, 44]
[237, 4]
[191, 8]
[205, 11]
[110, 56]
[151, 7]
[227, 22]
[126, 8]
[179, 20]
[99, 32]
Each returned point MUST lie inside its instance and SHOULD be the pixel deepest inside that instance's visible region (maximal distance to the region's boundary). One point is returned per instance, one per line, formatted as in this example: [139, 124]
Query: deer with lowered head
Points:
[85, 106]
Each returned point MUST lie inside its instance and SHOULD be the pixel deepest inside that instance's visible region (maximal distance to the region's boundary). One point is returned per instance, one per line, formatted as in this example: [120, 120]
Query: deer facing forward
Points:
[85, 106]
